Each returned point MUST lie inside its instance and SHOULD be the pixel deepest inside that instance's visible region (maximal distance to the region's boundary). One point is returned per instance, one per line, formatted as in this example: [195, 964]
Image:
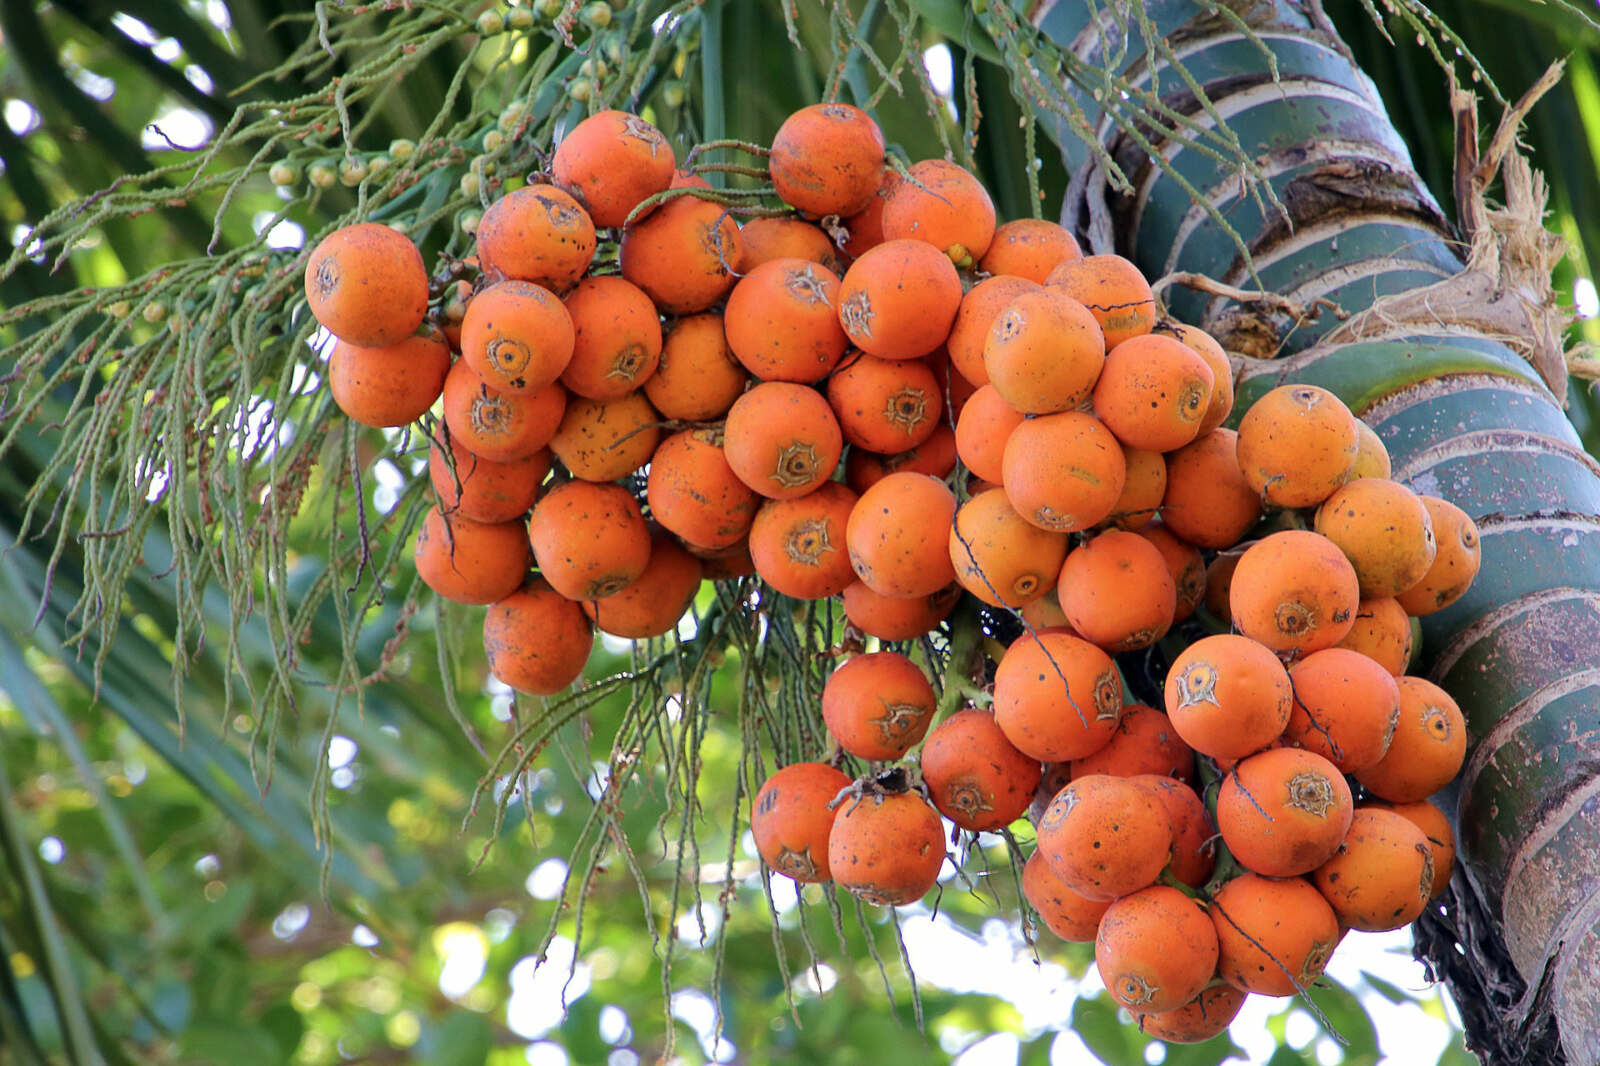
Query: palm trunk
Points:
[1464, 416]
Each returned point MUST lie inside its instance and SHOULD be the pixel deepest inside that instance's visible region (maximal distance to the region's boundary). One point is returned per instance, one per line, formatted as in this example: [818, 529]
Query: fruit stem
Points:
[966, 645]
[1171, 880]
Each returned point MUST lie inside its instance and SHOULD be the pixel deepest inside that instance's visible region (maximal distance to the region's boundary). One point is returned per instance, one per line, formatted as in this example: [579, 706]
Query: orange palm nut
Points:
[651, 604]
[782, 321]
[1155, 949]
[482, 489]
[1207, 1015]
[502, 426]
[1294, 591]
[537, 233]
[935, 457]
[1372, 457]
[1274, 937]
[617, 338]
[885, 405]
[865, 227]
[697, 377]
[610, 162]
[603, 440]
[1435, 826]
[827, 159]
[878, 705]
[1206, 347]
[1384, 529]
[1063, 472]
[798, 545]
[1184, 562]
[682, 254]
[1283, 811]
[975, 777]
[367, 285]
[1345, 708]
[1105, 837]
[1382, 875]
[893, 618]
[694, 492]
[1113, 290]
[517, 336]
[1153, 393]
[1064, 912]
[791, 819]
[999, 556]
[969, 333]
[471, 562]
[766, 239]
[1208, 502]
[1430, 742]
[1116, 590]
[943, 204]
[537, 640]
[1044, 352]
[1297, 444]
[1057, 697]
[782, 439]
[897, 535]
[589, 540]
[389, 386]
[899, 299]
[1455, 564]
[982, 430]
[1228, 696]
[1142, 490]
[1144, 742]
[887, 850]
[1194, 849]
[1029, 248]
[1382, 633]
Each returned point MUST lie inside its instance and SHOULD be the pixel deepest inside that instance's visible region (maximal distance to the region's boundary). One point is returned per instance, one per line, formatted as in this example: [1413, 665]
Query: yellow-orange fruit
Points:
[389, 386]
[782, 321]
[887, 850]
[893, 618]
[1207, 1015]
[603, 440]
[1345, 708]
[367, 285]
[1155, 949]
[537, 640]
[791, 819]
[1205, 346]
[723, 564]
[1297, 444]
[1113, 290]
[766, 239]
[1430, 742]
[502, 426]
[878, 705]
[1228, 696]
[935, 457]
[943, 204]
[1144, 742]
[1117, 592]
[974, 775]
[1273, 937]
[1454, 566]
[985, 424]
[697, 378]
[1045, 613]
[1153, 393]
[999, 556]
[1142, 490]
[517, 336]
[652, 603]
[885, 405]
[1283, 811]
[482, 489]
[1064, 912]
[1219, 580]
[1372, 457]
[1385, 531]
[1435, 826]
[1185, 564]
[1194, 849]
[471, 562]
[610, 162]
[1057, 697]
[1294, 591]
[1382, 633]
[1207, 502]
[1028, 248]
[1044, 352]
[695, 493]
[798, 545]
[617, 338]
[896, 535]
[969, 333]
[1382, 875]
[827, 159]
[898, 300]
[683, 254]
[1105, 837]
[1063, 472]
[537, 233]
[782, 439]
[865, 227]
[589, 540]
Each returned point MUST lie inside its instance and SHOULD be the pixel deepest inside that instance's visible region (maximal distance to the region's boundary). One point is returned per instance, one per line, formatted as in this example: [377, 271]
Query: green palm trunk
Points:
[1463, 416]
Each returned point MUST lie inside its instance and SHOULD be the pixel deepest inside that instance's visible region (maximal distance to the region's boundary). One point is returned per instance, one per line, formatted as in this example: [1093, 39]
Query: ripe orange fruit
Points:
[898, 300]
[943, 204]
[865, 227]
[1208, 502]
[974, 775]
[389, 386]
[893, 618]
[697, 378]
[537, 640]
[1382, 875]
[782, 321]
[694, 492]
[1142, 490]
[651, 604]
[1207, 1015]
[798, 545]
[887, 849]
[782, 439]
[969, 333]
[1297, 444]
[1194, 850]
[1155, 949]
[517, 336]
[1430, 742]
[502, 426]
[723, 564]
[537, 233]
[1219, 581]
[610, 162]
[471, 562]
[884, 405]
[1382, 632]
[367, 285]
[1028, 248]
[1063, 472]
[1188, 569]
[792, 822]
[1057, 697]
[1228, 696]
[1283, 811]
[827, 159]
[1117, 592]
[1454, 566]
[1105, 837]
[878, 705]
[1385, 531]
[982, 429]
[1064, 912]
[682, 254]
[1113, 290]
[766, 239]
[1153, 393]
[1345, 708]
[589, 540]
[1372, 458]
[482, 489]
[1294, 591]
[1144, 742]
[617, 338]
[897, 535]
[1044, 352]
[603, 440]
[935, 457]
[1000, 557]
[1436, 831]
[1273, 937]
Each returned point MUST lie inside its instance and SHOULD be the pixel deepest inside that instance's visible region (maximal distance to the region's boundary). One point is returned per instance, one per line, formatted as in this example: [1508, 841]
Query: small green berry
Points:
[323, 175]
[580, 89]
[352, 172]
[154, 312]
[284, 173]
[491, 23]
[548, 9]
[469, 221]
[493, 141]
[402, 149]
[597, 14]
[672, 94]
[519, 18]
[512, 116]
[378, 164]
[470, 183]
[119, 309]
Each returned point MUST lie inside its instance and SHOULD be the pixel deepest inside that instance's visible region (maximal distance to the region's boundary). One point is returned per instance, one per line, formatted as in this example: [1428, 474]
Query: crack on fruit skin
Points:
[1311, 792]
[1136, 990]
[1293, 619]
[1139, 638]
[1197, 684]
[1436, 723]
[897, 719]
[1050, 518]
[967, 798]
[490, 415]
[1306, 398]
[1426, 882]
[808, 542]
[856, 314]
[1107, 696]
[327, 277]
[1389, 728]
[797, 465]
[560, 215]
[797, 864]
[835, 111]
[628, 362]
[638, 128]
[1316, 961]
[805, 286]
[507, 356]
[906, 409]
